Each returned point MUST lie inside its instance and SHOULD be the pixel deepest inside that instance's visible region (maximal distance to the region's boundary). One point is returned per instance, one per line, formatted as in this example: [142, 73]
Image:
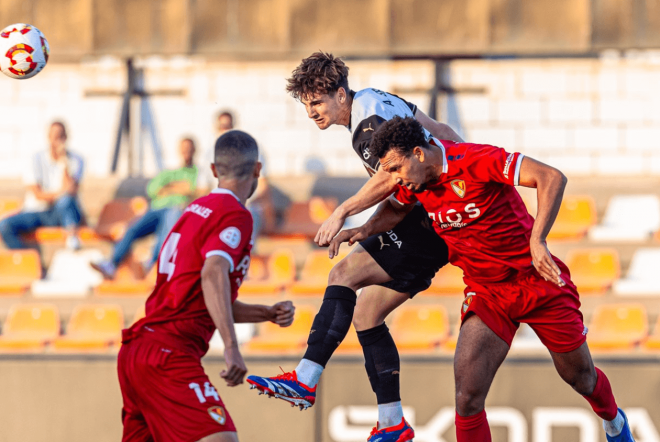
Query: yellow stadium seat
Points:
[117, 215]
[92, 328]
[593, 270]
[320, 209]
[278, 272]
[129, 281]
[448, 281]
[275, 339]
[420, 327]
[29, 327]
[577, 214]
[9, 206]
[653, 342]
[18, 269]
[617, 326]
[350, 344]
[314, 275]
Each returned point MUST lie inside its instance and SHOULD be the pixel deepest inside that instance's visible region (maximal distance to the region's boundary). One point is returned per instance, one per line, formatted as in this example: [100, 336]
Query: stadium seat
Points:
[577, 214]
[617, 327]
[29, 327]
[69, 275]
[92, 328]
[593, 271]
[18, 269]
[628, 218]
[129, 281]
[416, 328]
[643, 277]
[314, 275]
[9, 206]
[448, 281]
[275, 274]
[350, 344]
[302, 220]
[653, 342]
[57, 235]
[117, 214]
[275, 339]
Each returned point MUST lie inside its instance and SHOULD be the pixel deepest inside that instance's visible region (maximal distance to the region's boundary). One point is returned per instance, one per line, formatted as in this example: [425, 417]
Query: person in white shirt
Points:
[51, 200]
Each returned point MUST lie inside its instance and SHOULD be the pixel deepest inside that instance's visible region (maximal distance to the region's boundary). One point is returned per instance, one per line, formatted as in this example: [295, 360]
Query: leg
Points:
[144, 226]
[479, 354]
[68, 212]
[374, 304]
[11, 228]
[221, 437]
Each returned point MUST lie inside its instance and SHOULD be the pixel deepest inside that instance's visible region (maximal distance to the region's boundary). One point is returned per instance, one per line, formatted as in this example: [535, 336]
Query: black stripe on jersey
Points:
[362, 140]
[413, 107]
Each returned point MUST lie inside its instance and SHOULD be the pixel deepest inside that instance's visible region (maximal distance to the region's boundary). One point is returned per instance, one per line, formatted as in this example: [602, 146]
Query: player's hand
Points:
[282, 313]
[236, 368]
[351, 236]
[544, 264]
[330, 228]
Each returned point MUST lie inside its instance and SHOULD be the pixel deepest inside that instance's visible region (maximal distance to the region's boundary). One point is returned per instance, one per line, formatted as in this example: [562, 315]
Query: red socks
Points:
[473, 428]
[602, 400]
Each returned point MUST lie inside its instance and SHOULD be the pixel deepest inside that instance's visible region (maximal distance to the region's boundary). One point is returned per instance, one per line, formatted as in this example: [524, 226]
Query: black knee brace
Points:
[381, 359]
[331, 323]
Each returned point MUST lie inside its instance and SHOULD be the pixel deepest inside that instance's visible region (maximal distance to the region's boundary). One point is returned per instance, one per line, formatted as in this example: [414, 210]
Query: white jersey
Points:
[371, 108]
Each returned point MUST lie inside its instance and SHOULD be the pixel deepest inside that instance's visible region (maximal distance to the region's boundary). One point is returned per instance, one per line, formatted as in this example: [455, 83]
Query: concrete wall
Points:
[77, 398]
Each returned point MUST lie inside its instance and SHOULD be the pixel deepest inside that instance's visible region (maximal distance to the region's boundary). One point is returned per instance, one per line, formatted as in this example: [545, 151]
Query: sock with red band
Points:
[473, 428]
[602, 400]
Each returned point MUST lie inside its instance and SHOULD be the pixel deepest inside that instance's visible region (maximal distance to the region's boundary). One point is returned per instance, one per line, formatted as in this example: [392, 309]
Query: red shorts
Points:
[167, 396]
[553, 312]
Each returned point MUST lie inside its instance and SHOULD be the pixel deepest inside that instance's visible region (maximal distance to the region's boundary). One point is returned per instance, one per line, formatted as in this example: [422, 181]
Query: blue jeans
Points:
[64, 213]
[158, 221]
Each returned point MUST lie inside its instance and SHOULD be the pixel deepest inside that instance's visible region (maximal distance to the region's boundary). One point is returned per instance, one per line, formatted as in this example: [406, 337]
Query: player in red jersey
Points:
[511, 277]
[167, 396]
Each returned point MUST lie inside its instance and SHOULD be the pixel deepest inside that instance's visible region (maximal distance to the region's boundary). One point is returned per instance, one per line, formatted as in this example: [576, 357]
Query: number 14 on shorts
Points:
[209, 391]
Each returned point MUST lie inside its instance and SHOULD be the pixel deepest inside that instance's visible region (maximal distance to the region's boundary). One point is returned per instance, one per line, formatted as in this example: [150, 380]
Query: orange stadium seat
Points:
[30, 327]
[9, 206]
[302, 220]
[314, 275]
[450, 344]
[129, 281]
[350, 344]
[577, 214]
[272, 276]
[275, 339]
[18, 269]
[92, 328]
[653, 342]
[617, 326]
[139, 314]
[593, 271]
[448, 281]
[49, 235]
[421, 327]
[117, 215]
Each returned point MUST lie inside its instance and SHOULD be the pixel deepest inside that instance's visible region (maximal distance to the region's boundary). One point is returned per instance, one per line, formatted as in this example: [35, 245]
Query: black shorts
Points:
[411, 253]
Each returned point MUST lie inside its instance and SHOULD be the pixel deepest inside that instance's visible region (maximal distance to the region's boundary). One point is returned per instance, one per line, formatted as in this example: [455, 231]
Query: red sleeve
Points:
[490, 163]
[229, 237]
[404, 196]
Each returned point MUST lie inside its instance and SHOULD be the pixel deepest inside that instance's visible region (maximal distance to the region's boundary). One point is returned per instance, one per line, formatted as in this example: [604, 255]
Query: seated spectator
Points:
[170, 192]
[51, 200]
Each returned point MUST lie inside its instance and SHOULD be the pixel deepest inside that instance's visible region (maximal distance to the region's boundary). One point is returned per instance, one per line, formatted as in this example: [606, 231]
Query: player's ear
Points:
[341, 95]
[257, 169]
[215, 172]
[419, 154]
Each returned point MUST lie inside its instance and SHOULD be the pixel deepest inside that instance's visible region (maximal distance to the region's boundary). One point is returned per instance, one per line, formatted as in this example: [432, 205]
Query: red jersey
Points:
[216, 224]
[478, 212]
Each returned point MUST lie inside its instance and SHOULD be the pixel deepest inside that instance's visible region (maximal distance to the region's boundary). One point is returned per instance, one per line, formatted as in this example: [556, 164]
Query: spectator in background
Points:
[51, 200]
[224, 122]
[170, 192]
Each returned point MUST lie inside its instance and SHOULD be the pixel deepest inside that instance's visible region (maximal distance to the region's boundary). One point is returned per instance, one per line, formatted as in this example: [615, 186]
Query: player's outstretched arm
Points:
[280, 313]
[375, 190]
[389, 213]
[549, 183]
[441, 131]
[217, 296]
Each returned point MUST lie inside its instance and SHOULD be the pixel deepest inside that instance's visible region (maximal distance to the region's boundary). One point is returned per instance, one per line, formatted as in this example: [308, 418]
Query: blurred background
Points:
[141, 89]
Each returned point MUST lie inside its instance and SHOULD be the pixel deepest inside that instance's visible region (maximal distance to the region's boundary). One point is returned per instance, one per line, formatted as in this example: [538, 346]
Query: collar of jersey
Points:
[221, 191]
[445, 165]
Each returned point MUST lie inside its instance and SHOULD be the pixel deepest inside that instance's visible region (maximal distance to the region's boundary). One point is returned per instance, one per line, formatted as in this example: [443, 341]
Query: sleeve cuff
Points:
[225, 255]
[516, 176]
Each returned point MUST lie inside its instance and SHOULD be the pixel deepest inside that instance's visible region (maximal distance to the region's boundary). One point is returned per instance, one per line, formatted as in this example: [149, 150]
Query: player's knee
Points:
[364, 318]
[582, 380]
[344, 274]
[469, 401]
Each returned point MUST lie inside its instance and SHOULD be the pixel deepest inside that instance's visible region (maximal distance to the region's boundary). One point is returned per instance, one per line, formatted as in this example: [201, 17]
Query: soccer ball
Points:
[23, 51]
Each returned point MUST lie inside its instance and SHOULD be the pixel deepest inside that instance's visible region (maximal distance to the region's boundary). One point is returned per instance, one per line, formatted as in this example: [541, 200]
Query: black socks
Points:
[382, 363]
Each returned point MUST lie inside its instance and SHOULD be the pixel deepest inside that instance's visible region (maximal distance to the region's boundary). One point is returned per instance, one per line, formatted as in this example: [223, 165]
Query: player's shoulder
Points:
[218, 203]
[467, 152]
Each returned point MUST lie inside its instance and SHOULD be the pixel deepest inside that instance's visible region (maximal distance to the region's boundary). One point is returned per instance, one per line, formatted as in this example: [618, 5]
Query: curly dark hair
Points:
[320, 73]
[399, 134]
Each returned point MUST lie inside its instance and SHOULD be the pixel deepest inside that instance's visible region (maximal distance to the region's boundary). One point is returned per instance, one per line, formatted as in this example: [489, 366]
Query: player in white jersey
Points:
[390, 268]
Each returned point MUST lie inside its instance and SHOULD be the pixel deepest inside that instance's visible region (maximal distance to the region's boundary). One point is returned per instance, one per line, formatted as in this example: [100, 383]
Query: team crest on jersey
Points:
[467, 301]
[218, 414]
[231, 236]
[458, 186]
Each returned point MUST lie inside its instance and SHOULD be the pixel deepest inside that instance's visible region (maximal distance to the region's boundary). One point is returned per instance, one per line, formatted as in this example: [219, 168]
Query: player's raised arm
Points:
[217, 296]
[549, 183]
[280, 313]
[441, 131]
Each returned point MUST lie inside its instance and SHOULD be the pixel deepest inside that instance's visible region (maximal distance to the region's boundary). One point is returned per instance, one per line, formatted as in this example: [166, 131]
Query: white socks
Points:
[614, 427]
[389, 415]
[308, 372]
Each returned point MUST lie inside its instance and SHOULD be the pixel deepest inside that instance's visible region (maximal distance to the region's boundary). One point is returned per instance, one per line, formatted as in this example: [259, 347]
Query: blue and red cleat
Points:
[286, 387]
[399, 433]
[625, 435]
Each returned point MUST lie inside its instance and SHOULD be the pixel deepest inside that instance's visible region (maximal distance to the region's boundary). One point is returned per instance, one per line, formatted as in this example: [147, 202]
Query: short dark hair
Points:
[399, 134]
[320, 73]
[236, 154]
[61, 125]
